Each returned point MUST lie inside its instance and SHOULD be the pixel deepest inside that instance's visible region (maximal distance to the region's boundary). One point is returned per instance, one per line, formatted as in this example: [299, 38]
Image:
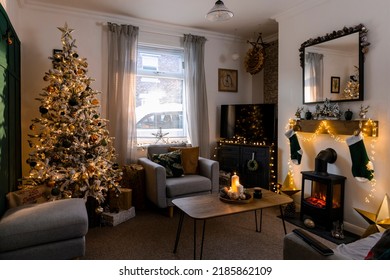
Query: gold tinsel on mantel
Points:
[254, 60]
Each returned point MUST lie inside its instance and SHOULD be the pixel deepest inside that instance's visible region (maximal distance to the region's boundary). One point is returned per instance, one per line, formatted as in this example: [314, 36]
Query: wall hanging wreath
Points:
[252, 164]
[254, 60]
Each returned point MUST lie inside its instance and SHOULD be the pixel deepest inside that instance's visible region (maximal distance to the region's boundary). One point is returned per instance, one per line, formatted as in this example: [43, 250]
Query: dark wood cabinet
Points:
[254, 164]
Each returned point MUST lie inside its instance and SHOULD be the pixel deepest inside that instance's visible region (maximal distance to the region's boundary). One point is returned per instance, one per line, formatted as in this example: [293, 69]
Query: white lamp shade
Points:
[219, 12]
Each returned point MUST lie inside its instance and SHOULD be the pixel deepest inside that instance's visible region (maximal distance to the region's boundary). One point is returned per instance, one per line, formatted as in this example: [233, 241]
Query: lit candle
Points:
[235, 182]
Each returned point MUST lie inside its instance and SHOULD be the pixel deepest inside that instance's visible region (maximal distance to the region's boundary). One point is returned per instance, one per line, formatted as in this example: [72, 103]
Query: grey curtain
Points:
[122, 65]
[196, 93]
[314, 75]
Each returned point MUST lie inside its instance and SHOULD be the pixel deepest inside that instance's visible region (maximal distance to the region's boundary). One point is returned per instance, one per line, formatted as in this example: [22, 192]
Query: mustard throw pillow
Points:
[189, 159]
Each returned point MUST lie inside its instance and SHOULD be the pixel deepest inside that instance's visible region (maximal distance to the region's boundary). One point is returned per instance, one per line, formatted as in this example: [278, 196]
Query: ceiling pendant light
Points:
[219, 12]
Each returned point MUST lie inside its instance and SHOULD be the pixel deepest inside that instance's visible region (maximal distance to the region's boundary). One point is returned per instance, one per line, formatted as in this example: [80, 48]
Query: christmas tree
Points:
[72, 150]
[250, 123]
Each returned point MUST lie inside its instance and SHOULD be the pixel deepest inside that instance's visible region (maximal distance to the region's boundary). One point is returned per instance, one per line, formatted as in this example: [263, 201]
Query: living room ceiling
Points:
[250, 16]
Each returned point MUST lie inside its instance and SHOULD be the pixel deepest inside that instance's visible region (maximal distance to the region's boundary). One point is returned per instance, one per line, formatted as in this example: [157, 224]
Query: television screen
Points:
[254, 122]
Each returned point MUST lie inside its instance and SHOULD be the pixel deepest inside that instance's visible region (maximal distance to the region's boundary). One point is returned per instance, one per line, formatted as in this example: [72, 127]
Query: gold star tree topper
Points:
[379, 221]
[66, 31]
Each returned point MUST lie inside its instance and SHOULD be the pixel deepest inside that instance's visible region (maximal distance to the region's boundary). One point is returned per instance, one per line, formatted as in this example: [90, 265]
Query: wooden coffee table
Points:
[204, 207]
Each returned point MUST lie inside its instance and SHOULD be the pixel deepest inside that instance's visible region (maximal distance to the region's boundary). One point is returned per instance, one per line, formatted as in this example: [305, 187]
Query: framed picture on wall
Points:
[227, 80]
[335, 84]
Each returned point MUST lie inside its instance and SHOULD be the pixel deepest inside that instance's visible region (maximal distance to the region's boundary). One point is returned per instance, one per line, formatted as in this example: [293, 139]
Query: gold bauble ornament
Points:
[95, 102]
[99, 210]
[51, 184]
[67, 194]
[51, 89]
[93, 138]
[309, 223]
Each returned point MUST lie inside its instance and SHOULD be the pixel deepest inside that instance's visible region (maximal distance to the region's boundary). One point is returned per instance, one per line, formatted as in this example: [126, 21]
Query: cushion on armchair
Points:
[189, 159]
[381, 250]
[28, 195]
[171, 161]
[161, 148]
[186, 185]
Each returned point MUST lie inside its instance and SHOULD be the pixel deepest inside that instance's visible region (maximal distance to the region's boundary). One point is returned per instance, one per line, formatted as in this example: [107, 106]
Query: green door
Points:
[10, 127]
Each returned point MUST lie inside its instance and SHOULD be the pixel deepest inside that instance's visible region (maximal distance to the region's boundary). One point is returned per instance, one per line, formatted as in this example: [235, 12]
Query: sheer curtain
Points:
[122, 58]
[314, 72]
[196, 93]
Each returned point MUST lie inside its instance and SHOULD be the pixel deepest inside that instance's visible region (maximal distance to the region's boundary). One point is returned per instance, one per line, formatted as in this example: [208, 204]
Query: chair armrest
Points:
[313, 242]
[295, 248]
[210, 169]
[155, 182]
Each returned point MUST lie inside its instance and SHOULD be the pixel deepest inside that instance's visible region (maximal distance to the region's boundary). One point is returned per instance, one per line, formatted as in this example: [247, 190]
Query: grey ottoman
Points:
[51, 230]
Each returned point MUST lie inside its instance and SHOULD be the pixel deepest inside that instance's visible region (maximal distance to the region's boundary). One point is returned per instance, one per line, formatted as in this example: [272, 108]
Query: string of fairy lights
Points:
[325, 127]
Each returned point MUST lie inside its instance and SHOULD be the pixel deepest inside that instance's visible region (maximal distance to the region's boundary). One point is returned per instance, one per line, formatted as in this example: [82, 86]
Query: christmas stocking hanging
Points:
[362, 167]
[295, 148]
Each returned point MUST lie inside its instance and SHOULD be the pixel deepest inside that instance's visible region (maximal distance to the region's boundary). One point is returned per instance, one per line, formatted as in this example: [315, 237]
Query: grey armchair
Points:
[295, 248]
[161, 190]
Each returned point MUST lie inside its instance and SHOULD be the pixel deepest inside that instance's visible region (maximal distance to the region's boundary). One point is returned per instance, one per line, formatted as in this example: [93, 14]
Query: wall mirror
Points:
[333, 66]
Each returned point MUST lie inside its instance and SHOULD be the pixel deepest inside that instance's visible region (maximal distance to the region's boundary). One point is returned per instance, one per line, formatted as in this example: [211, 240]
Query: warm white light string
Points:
[324, 126]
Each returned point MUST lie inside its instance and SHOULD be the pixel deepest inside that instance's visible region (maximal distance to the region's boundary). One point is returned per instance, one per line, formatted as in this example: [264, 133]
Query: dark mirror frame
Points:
[363, 49]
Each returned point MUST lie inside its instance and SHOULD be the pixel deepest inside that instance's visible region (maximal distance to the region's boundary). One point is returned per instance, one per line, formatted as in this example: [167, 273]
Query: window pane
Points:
[156, 90]
[159, 96]
[166, 62]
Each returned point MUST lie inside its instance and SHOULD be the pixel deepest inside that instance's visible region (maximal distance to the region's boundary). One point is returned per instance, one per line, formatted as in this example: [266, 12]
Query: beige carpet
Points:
[150, 235]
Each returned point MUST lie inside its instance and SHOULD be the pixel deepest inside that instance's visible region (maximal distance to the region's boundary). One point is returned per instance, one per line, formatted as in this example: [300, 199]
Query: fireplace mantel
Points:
[338, 127]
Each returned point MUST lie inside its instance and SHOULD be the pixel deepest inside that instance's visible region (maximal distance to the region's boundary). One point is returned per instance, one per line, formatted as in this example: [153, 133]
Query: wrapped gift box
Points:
[114, 219]
[134, 178]
[120, 201]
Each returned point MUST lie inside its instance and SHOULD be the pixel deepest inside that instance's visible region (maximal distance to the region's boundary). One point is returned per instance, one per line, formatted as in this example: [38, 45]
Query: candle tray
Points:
[227, 199]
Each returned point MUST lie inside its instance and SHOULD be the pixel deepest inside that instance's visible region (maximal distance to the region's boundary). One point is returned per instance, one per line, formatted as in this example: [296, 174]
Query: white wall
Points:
[10, 7]
[37, 29]
[295, 28]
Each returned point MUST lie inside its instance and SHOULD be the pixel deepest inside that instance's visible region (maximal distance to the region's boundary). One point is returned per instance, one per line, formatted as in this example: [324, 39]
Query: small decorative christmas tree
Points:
[250, 123]
[72, 151]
